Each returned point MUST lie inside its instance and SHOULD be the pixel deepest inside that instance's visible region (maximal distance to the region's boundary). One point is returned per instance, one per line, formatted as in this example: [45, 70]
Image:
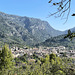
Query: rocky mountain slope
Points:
[25, 30]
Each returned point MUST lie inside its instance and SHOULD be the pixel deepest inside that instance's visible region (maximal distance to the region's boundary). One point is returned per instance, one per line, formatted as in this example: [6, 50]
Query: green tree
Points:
[59, 72]
[47, 58]
[52, 56]
[6, 58]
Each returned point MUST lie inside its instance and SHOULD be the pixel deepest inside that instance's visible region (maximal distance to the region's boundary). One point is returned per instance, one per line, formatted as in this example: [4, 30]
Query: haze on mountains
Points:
[24, 30]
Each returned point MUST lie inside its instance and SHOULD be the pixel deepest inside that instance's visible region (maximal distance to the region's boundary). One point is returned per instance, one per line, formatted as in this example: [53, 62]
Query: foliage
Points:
[47, 65]
[58, 41]
[59, 72]
[50, 65]
[6, 58]
[70, 35]
[52, 56]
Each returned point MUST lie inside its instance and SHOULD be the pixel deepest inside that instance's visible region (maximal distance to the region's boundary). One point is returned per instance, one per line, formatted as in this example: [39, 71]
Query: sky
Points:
[38, 9]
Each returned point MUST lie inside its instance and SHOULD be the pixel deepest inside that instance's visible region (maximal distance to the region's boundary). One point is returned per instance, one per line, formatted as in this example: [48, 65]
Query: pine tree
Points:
[6, 59]
[52, 56]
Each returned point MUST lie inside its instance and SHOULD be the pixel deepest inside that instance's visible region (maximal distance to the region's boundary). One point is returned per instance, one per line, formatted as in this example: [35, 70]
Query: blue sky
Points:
[37, 9]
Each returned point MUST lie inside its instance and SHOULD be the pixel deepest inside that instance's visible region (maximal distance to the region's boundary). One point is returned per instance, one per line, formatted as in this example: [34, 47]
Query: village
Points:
[41, 51]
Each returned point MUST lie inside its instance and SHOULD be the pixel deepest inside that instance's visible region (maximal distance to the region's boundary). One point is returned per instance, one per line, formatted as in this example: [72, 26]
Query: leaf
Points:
[54, 3]
[50, 1]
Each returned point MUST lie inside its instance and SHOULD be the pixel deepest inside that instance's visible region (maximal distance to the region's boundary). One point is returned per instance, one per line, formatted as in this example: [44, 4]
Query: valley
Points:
[35, 48]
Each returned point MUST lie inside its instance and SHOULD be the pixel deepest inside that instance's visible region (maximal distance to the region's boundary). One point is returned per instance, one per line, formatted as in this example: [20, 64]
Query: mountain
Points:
[58, 41]
[24, 30]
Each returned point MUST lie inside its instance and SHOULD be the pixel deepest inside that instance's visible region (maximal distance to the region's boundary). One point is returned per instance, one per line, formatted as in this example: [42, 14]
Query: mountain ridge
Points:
[25, 30]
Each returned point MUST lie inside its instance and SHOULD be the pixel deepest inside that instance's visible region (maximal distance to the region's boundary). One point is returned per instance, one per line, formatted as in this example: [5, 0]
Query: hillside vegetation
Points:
[58, 41]
[24, 30]
[34, 65]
